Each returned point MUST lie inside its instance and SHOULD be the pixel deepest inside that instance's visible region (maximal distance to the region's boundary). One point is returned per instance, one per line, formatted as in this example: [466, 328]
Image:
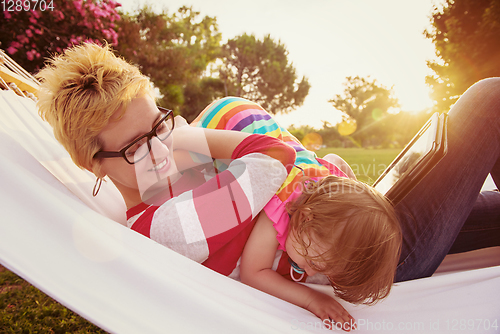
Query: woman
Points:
[103, 112]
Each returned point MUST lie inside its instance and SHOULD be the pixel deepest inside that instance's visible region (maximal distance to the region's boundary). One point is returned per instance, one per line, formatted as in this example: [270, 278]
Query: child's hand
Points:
[330, 311]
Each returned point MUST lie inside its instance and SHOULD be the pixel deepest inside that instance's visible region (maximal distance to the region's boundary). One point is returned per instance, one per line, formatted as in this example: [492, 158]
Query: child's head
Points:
[81, 90]
[349, 232]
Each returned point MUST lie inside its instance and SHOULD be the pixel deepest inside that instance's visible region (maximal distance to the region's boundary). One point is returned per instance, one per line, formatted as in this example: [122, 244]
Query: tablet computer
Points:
[421, 154]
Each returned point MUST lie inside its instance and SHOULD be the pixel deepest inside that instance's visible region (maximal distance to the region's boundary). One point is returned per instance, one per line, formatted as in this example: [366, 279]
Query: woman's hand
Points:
[180, 121]
[330, 311]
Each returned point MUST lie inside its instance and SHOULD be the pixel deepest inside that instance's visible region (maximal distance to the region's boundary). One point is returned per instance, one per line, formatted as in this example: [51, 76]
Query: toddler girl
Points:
[319, 221]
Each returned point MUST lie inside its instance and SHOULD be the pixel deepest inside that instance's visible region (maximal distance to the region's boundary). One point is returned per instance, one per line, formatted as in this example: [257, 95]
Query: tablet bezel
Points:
[411, 177]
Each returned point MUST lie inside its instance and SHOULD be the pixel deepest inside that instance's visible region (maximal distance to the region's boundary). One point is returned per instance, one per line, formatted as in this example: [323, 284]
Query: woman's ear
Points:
[97, 170]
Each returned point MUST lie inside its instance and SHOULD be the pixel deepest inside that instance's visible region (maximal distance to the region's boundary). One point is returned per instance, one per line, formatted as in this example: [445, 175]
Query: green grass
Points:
[367, 164]
[25, 309]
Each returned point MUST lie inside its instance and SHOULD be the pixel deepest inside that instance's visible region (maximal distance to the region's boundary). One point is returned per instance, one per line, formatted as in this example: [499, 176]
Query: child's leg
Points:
[433, 214]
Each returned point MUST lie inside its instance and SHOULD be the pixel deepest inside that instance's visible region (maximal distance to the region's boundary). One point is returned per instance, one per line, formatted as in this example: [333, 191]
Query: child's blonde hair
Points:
[358, 233]
[81, 90]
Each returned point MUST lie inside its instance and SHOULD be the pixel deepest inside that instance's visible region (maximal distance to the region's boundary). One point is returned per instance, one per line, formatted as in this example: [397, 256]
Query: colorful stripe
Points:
[233, 113]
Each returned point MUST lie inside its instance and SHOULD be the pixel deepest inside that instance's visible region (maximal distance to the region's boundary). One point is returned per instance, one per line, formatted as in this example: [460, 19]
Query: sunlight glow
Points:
[332, 40]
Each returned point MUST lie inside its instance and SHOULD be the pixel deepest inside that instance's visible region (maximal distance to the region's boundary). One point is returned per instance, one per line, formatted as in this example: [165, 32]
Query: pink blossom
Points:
[32, 20]
[98, 12]
[7, 16]
[59, 16]
[35, 14]
[114, 37]
[16, 45]
[23, 39]
[29, 33]
[38, 31]
[11, 50]
[106, 33]
[30, 54]
[78, 6]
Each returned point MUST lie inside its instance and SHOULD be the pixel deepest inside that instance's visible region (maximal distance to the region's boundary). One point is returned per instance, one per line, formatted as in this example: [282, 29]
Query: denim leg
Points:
[434, 212]
[482, 227]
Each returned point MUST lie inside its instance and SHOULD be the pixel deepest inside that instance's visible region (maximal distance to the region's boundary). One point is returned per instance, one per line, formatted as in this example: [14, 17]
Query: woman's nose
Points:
[159, 149]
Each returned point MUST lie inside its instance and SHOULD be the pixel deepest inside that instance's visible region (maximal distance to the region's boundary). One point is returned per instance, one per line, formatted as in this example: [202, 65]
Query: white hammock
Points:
[54, 234]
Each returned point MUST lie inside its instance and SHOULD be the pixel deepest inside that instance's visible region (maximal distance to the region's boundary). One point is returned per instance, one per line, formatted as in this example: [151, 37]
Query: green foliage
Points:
[367, 103]
[466, 35]
[173, 50]
[176, 51]
[259, 70]
[30, 36]
[331, 136]
[25, 309]
[198, 94]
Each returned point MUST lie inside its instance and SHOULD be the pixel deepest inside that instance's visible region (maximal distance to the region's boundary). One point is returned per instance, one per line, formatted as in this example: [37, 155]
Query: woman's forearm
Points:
[218, 144]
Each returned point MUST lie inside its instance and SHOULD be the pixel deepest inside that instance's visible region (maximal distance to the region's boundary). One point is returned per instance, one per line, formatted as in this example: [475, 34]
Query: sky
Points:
[329, 40]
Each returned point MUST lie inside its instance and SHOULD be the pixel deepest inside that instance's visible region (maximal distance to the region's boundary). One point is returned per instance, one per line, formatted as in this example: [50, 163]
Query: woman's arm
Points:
[256, 264]
[219, 144]
[223, 144]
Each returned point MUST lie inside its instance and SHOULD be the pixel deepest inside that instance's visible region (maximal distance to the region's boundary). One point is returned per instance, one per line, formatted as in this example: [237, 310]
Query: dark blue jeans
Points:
[446, 213]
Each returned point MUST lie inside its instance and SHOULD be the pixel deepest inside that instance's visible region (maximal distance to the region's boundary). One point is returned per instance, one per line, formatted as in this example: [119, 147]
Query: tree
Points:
[259, 70]
[30, 36]
[173, 50]
[466, 35]
[365, 104]
[198, 94]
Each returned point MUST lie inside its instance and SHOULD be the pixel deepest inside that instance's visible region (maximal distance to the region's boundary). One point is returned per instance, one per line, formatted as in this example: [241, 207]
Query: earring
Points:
[97, 185]
[295, 268]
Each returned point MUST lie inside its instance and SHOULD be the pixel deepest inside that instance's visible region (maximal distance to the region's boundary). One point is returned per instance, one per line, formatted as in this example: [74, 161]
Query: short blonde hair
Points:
[361, 233]
[80, 91]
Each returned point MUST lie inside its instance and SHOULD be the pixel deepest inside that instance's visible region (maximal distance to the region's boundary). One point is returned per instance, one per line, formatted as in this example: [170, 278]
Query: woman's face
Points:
[133, 180]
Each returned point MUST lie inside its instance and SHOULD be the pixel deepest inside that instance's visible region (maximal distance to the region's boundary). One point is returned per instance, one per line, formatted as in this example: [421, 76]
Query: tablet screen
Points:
[418, 148]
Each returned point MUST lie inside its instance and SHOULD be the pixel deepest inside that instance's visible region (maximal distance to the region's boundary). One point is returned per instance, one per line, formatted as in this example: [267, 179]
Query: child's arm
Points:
[256, 264]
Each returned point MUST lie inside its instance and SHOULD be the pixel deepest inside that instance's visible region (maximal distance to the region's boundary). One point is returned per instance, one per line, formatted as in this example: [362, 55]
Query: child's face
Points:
[309, 266]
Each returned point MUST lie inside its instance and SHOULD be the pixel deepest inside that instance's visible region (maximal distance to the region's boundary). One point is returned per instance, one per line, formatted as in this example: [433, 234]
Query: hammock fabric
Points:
[55, 235]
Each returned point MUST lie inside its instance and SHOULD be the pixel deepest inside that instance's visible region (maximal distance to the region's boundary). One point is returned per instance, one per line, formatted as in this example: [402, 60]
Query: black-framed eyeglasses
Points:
[136, 150]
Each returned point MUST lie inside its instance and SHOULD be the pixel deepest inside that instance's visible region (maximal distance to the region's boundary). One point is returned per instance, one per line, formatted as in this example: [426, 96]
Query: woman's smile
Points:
[159, 166]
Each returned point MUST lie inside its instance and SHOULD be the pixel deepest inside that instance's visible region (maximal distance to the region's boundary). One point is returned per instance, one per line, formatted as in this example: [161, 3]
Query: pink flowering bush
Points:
[30, 36]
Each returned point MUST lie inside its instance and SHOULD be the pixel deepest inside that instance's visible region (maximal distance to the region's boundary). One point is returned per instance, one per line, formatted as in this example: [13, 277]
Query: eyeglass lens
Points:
[141, 148]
